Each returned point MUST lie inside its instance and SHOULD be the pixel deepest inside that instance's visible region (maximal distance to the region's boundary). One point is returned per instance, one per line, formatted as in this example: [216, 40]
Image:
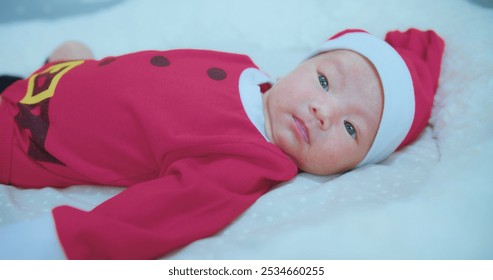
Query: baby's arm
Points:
[71, 50]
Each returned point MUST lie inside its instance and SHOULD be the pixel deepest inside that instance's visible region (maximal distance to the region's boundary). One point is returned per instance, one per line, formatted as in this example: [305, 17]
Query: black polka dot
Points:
[106, 61]
[159, 61]
[216, 74]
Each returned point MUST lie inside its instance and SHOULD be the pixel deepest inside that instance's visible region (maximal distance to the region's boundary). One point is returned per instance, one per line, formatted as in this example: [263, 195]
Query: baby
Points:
[198, 136]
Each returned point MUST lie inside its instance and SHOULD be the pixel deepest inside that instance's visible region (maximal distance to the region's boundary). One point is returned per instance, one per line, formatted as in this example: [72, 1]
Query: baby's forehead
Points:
[350, 64]
[342, 57]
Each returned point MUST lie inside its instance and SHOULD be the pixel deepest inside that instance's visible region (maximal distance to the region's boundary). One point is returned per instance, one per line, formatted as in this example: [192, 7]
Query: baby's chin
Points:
[324, 170]
[318, 166]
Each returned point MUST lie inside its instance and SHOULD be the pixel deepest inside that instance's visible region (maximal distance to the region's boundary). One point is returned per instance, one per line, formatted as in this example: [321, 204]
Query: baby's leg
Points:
[71, 50]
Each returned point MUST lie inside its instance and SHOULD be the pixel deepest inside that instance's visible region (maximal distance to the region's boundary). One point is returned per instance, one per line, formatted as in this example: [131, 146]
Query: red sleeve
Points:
[195, 198]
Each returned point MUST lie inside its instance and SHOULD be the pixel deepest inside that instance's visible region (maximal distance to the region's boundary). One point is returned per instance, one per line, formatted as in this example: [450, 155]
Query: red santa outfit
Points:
[169, 125]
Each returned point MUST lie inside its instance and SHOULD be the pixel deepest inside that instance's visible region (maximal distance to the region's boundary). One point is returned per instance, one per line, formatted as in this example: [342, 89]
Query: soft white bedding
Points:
[432, 200]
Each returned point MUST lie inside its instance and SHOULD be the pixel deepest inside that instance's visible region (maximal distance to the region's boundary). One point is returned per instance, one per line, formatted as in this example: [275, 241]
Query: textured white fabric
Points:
[32, 239]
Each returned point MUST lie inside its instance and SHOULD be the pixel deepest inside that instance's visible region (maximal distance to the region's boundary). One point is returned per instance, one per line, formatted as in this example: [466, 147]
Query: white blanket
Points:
[432, 200]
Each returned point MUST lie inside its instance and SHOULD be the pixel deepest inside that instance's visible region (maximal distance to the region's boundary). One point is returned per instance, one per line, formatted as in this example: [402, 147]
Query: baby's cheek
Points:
[309, 162]
[325, 161]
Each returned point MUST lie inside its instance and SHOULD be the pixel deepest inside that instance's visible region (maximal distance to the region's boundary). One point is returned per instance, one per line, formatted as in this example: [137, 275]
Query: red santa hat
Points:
[408, 64]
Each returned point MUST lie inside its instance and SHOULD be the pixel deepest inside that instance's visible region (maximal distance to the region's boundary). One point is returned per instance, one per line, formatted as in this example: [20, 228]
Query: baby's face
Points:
[325, 114]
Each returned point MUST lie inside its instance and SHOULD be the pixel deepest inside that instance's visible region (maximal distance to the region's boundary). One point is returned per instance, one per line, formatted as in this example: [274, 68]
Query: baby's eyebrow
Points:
[341, 73]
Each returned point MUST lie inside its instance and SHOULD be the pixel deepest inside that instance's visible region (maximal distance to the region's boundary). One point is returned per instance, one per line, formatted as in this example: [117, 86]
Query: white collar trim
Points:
[251, 97]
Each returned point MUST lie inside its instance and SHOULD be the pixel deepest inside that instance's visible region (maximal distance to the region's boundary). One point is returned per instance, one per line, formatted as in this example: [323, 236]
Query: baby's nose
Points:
[322, 115]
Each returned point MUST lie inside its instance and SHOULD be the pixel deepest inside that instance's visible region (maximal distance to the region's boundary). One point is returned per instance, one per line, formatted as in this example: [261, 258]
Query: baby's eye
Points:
[323, 82]
[350, 129]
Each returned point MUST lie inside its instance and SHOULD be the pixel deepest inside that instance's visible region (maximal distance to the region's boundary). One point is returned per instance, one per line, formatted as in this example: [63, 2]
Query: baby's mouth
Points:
[302, 129]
